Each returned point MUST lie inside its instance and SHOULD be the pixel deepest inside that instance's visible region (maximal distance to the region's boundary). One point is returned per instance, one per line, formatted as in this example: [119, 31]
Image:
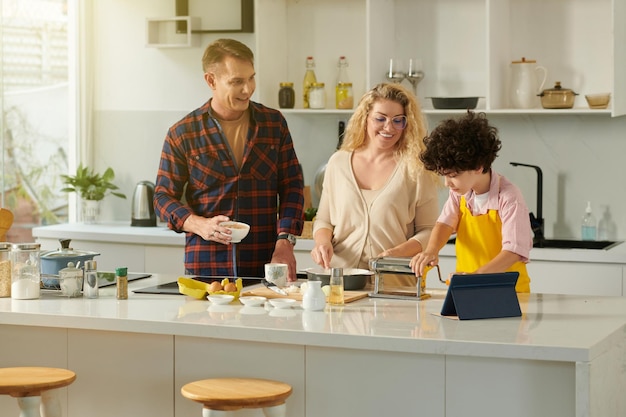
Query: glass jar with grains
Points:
[5, 269]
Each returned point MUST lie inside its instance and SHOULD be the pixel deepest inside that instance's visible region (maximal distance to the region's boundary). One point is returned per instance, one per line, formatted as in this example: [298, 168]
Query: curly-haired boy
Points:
[487, 212]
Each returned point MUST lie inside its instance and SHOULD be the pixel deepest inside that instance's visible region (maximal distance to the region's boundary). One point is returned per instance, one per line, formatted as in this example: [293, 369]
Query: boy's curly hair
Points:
[463, 144]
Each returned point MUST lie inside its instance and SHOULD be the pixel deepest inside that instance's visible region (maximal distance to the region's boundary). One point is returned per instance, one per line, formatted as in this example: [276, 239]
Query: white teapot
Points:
[524, 83]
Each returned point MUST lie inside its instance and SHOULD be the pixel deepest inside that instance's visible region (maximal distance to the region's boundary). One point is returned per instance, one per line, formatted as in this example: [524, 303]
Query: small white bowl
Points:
[282, 302]
[252, 300]
[239, 230]
[220, 299]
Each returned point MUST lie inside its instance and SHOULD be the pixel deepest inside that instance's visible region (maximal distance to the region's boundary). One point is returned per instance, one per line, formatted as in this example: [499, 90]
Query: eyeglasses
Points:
[398, 122]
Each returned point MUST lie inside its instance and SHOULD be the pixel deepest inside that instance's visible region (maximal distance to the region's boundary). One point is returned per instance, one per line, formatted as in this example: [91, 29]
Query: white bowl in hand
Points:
[239, 230]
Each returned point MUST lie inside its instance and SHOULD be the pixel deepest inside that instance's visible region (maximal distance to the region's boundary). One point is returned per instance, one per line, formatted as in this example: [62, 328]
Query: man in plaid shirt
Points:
[231, 159]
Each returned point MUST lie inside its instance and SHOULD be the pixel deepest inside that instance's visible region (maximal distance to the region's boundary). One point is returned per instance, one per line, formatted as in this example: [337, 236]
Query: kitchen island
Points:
[564, 357]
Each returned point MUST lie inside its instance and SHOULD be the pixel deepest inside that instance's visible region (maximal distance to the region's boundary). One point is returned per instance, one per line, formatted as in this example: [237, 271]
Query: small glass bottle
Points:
[5, 269]
[344, 98]
[90, 283]
[286, 96]
[121, 279]
[317, 96]
[336, 286]
[589, 225]
[25, 271]
[309, 79]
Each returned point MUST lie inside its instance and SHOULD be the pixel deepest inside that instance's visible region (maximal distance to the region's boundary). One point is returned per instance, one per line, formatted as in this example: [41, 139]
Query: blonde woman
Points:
[377, 198]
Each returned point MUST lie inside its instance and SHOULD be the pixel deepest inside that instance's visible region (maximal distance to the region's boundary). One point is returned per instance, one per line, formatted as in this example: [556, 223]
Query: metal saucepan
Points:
[353, 278]
[55, 260]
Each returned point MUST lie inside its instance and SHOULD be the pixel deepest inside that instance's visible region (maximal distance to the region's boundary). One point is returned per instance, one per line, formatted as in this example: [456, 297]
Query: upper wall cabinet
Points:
[464, 48]
[224, 16]
[199, 16]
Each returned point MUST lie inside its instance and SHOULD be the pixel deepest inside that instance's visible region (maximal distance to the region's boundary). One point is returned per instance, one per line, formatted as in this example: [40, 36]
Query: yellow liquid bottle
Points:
[336, 287]
[309, 80]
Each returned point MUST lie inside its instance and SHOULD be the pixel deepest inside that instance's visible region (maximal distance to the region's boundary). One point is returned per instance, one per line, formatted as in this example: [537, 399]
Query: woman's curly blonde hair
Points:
[411, 142]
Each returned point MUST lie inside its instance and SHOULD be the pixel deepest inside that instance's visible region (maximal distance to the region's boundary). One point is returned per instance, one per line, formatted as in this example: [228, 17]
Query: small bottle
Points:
[121, 280]
[604, 225]
[317, 96]
[309, 79]
[344, 98]
[286, 96]
[589, 225]
[336, 286]
[90, 283]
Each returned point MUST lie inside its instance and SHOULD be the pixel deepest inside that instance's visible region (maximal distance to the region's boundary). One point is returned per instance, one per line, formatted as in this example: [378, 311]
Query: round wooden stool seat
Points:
[32, 381]
[34, 388]
[235, 393]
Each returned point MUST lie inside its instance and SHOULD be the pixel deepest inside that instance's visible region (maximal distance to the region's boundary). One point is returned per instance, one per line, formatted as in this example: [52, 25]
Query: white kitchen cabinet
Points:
[465, 47]
[173, 32]
[558, 277]
[136, 257]
[576, 278]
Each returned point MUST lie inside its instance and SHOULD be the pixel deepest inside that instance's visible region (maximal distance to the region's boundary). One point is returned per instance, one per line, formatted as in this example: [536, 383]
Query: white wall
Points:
[140, 92]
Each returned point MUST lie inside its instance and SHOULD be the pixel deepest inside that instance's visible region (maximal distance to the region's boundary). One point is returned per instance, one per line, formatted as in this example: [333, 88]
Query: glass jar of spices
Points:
[286, 96]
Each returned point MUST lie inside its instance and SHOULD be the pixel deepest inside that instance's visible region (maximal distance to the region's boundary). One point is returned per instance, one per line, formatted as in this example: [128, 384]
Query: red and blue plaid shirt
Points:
[196, 154]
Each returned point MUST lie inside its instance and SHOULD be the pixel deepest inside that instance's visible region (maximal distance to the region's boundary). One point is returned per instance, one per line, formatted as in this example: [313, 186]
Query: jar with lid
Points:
[317, 96]
[121, 281]
[71, 280]
[25, 271]
[343, 95]
[5, 269]
[286, 96]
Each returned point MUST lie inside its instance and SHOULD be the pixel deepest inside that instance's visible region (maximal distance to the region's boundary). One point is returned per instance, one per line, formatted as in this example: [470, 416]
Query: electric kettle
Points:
[143, 207]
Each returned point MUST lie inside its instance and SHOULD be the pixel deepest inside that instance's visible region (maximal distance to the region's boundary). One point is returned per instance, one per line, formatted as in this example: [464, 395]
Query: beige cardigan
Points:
[405, 208]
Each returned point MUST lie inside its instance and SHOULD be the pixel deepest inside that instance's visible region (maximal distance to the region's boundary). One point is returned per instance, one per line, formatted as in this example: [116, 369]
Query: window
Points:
[34, 83]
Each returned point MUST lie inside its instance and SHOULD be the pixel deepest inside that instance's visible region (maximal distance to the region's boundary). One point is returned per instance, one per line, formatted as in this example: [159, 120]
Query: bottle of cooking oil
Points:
[343, 88]
[309, 79]
[336, 286]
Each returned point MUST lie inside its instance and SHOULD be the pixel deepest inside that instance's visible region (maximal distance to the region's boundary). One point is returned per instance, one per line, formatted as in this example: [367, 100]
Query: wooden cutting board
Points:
[348, 296]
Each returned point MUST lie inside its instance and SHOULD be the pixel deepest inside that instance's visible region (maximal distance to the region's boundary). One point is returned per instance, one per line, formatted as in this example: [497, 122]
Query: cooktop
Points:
[172, 287]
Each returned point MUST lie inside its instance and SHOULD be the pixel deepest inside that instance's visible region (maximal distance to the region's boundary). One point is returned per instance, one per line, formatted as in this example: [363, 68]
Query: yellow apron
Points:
[479, 240]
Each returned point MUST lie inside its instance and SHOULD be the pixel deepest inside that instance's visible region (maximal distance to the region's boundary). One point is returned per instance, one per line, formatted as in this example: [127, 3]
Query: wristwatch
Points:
[291, 238]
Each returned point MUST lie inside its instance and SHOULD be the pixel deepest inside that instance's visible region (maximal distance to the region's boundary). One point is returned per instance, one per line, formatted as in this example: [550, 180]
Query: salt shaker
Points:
[90, 286]
[336, 286]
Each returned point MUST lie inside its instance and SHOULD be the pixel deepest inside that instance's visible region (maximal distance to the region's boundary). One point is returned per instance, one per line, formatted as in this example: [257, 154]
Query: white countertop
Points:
[553, 327]
[161, 235]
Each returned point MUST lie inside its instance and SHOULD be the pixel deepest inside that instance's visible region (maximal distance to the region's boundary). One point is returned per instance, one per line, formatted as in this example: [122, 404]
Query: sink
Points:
[576, 244]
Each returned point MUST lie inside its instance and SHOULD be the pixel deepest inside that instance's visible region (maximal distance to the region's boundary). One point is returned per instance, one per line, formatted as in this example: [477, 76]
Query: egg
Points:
[230, 287]
[215, 286]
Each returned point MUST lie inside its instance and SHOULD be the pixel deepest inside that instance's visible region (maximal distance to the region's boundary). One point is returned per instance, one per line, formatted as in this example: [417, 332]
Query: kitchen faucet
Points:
[536, 222]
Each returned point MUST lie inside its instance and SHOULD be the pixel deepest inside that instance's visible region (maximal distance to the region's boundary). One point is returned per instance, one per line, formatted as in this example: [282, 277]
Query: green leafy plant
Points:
[90, 185]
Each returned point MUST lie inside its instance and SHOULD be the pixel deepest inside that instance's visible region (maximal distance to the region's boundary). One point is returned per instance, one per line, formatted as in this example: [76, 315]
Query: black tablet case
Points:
[482, 296]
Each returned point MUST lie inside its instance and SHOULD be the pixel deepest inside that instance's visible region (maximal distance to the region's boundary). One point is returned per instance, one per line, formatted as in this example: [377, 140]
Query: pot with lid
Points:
[55, 260]
[557, 97]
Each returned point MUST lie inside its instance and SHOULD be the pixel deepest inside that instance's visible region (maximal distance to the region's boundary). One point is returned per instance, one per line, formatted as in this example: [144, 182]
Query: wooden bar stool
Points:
[31, 386]
[220, 395]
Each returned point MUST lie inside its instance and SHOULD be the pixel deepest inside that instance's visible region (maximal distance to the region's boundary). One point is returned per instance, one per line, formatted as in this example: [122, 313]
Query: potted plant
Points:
[92, 188]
